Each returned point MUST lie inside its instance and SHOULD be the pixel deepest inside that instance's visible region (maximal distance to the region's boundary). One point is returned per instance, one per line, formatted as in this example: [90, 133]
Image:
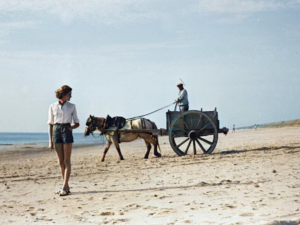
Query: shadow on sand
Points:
[271, 148]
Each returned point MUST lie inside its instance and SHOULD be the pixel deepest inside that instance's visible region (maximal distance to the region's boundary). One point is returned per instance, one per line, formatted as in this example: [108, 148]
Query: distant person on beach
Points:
[233, 129]
[182, 98]
[60, 117]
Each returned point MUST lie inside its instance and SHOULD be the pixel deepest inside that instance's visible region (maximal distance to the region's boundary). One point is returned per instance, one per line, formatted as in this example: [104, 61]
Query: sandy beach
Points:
[252, 177]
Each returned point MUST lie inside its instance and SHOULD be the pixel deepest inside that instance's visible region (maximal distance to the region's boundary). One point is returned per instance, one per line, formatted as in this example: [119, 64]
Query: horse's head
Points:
[88, 126]
[93, 123]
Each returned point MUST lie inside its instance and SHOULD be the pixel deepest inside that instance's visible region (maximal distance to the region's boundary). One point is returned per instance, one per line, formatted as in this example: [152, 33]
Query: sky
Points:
[125, 58]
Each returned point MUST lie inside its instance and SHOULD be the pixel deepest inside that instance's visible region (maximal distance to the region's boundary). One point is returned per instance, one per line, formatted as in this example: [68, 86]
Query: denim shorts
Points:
[62, 134]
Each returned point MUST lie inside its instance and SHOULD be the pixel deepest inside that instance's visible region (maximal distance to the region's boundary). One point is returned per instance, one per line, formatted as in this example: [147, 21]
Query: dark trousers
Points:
[184, 108]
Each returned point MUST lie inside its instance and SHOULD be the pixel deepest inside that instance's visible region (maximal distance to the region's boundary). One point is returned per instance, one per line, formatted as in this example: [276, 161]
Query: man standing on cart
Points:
[182, 98]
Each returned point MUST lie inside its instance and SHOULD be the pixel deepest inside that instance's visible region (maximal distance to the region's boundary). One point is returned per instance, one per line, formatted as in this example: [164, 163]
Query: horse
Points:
[99, 123]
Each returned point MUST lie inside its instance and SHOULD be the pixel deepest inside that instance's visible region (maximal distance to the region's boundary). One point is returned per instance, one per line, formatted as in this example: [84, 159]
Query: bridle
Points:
[94, 123]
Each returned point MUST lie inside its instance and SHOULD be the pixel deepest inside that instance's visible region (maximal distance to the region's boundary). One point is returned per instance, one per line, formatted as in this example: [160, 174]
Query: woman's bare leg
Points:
[67, 150]
[60, 156]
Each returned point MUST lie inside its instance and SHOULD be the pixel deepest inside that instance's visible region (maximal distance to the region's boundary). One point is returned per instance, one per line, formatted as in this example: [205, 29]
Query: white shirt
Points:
[183, 97]
[62, 114]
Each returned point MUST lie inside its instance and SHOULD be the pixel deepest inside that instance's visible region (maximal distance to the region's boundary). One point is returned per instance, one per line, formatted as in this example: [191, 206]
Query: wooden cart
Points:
[189, 132]
[196, 130]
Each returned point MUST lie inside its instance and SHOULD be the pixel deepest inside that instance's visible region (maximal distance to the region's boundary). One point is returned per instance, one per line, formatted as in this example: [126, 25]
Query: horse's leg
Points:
[148, 149]
[153, 141]
[106, 150]
[116, 143]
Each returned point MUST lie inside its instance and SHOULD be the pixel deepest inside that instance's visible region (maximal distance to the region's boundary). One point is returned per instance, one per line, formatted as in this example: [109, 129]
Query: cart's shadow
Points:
[265, 149]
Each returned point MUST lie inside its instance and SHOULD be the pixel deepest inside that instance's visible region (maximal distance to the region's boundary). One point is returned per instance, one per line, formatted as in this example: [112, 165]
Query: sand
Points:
[252, 177]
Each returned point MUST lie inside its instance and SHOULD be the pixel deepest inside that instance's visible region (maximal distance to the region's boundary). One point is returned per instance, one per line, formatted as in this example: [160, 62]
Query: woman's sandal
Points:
[60, 191]
[63, 193]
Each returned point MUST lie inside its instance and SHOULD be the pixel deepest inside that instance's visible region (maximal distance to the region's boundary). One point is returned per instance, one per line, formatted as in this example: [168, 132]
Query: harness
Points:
[118, 122]
[143, 122]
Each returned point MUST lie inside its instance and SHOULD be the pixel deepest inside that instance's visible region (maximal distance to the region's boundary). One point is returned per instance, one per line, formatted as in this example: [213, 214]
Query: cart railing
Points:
[171, 115]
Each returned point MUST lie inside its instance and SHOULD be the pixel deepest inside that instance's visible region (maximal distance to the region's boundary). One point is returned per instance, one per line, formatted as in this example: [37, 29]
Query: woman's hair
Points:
[61, 92]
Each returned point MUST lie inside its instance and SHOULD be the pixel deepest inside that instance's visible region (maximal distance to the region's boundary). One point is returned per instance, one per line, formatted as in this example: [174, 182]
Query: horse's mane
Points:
[98, 118]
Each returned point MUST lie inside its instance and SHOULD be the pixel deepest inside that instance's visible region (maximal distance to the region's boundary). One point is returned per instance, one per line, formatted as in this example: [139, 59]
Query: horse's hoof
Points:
[146, 157]
[157, 154]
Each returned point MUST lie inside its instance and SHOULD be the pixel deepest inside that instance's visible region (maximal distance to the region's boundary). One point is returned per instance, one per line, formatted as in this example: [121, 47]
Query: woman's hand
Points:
[74, 126]
[50, 136]
[51, 145]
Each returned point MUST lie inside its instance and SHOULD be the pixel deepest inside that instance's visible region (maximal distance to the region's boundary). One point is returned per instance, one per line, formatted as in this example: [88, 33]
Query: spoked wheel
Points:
[191, 132]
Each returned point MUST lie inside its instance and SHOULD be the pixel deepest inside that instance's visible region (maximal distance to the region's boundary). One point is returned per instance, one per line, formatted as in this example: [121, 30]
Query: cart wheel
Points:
[192, 131]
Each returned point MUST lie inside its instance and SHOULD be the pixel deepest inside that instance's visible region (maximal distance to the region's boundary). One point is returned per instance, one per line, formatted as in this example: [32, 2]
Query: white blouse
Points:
[62, 114]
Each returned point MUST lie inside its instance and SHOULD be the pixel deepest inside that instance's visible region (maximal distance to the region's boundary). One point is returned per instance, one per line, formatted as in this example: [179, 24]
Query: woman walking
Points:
[60, 117]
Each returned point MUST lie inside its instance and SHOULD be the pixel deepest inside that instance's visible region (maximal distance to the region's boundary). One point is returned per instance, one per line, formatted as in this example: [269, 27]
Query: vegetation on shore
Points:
[289, 123]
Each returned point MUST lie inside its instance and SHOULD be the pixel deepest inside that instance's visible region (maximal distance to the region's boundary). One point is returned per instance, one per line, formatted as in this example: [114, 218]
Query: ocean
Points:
[42, 139]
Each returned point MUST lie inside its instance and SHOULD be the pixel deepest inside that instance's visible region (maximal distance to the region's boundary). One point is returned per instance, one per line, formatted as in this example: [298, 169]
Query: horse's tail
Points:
[155, 136]
[156, 139]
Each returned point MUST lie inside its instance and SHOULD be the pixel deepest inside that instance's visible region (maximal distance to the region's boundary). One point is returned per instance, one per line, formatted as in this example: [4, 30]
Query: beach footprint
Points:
[247, 214]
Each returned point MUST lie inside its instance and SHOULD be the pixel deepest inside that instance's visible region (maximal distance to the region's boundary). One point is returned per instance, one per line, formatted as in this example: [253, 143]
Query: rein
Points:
[136, 117]
[95, 123]
[94, 135]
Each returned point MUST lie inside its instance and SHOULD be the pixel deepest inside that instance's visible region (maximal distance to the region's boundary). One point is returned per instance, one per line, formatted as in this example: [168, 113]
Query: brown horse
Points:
[98, 123]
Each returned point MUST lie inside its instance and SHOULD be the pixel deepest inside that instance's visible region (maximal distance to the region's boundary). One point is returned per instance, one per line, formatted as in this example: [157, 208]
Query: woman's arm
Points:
[75, 119]
[50, 136]
[74, 126]
[50, 123]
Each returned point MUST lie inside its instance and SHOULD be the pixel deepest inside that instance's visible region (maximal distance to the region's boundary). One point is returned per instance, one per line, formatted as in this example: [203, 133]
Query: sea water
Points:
[9, 139]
